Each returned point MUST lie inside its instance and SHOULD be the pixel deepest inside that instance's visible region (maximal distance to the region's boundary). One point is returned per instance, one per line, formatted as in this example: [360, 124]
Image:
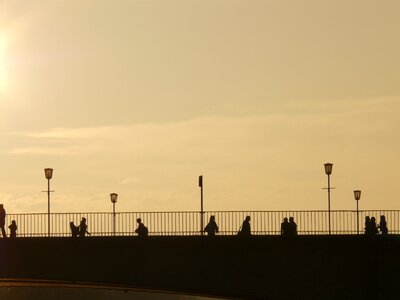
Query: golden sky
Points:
[141, 97]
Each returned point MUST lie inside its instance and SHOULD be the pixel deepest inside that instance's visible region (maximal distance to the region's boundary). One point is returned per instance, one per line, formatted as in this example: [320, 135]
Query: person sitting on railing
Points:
[285, 227]
[383, 225]
[292, 226]
[245, 229]
[74, 229]
[141, 230]
[212, 227]
[83, 228]
[13, 229]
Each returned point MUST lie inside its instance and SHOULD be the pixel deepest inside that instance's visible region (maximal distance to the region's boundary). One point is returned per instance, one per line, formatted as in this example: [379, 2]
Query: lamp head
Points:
[328, 168]
[113, 197]
[357, 194]
[48, 172]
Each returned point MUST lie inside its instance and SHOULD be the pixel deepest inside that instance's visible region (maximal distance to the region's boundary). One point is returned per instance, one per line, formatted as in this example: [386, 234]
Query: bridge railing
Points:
[188, 222]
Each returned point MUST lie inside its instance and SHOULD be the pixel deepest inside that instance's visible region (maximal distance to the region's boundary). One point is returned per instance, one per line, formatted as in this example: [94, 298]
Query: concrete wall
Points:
[259, 267]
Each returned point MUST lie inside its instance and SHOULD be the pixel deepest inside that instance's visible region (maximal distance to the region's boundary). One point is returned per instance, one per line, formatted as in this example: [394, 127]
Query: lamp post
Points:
[48, 172]
[357, 196]
[114, 197]
[328, 171]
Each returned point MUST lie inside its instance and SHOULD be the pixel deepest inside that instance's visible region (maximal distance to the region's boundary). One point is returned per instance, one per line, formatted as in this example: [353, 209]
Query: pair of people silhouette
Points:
[212, 227]
[288, 227]
[80, 230]
[371, 228]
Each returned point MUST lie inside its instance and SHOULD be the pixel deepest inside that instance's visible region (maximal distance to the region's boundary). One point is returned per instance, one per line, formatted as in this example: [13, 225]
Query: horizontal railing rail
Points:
[188, 222]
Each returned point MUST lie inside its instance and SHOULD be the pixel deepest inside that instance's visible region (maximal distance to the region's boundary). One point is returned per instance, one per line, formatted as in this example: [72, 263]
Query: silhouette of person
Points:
[373, 227]
[285, 227]
[245, 228]
[74, 229]
[141, 230]
[383, 225]
[292, 227]
[212, 227]
[367, 225]
[13, 229]
[83, 228]
[3, 220]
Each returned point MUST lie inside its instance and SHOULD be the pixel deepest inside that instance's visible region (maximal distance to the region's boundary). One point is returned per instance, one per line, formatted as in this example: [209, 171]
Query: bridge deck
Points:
[259, 267]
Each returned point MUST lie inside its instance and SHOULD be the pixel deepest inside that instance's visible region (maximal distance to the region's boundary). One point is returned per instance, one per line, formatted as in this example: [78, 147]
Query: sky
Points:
[139, 98]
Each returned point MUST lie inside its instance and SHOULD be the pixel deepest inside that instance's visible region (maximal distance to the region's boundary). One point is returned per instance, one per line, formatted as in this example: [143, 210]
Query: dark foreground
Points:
[259, 267]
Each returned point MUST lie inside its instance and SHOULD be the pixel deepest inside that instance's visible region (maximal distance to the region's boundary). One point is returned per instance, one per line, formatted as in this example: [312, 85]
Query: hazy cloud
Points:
[260, 161]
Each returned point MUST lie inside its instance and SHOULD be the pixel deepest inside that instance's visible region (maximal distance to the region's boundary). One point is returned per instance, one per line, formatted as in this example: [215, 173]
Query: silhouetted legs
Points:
[3, 232]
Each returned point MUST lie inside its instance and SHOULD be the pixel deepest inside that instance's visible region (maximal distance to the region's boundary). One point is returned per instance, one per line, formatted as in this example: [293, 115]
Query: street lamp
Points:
[328, 171]
[114, 197]
[357, 196]
[48, 172]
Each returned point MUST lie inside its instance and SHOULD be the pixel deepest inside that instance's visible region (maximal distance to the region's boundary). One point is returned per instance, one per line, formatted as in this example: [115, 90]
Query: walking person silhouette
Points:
[83, 228]
[212, 227]
[383, 226]
[367, 228]
[74, 229]
[13, 229]
[373, 227]
[245, 228]
[285, 227]
[3, 220]
[292, 226]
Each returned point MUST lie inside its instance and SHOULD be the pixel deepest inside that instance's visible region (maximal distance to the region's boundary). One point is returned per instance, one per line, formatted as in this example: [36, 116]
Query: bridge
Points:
[177, 258]
[233, 267]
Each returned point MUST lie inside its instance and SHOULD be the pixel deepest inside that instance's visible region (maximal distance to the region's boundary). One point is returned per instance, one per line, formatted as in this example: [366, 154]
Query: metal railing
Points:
[188, 222]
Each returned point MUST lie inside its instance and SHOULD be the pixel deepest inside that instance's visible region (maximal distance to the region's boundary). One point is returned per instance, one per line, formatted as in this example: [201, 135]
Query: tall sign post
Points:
[201, 205]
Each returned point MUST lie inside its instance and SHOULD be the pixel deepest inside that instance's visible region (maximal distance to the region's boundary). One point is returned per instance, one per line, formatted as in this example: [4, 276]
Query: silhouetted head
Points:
[13, 222]
[291, 219]
[83, 220]
[373, 219]
[212, 218]
[285, 220]
[139, 220]
[383, 218]
[367, 219]
[247, 218]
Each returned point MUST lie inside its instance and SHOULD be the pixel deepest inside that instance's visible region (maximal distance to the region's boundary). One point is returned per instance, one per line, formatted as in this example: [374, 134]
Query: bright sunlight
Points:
[3, 44]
